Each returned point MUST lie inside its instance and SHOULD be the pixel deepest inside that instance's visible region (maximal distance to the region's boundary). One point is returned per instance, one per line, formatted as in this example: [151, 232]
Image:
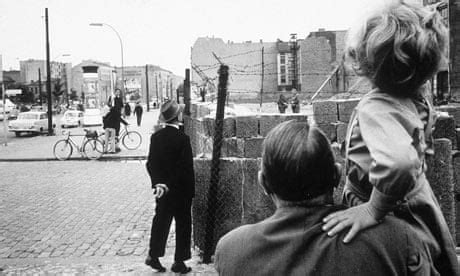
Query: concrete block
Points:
[200, 126]
[193, 110]
[341, 132]
[253, 147]
[256, 204]
[457, 130]
[453, 110]
[445, 128]
[345, 108]
[456, 172]
[209, 124]
[229, 128]
[440, 176]
[339, 158]
[325, 112]
[329, 130]
[268, 122]
[231, 148]
[228, 207]
[246, 126]
[204, 146]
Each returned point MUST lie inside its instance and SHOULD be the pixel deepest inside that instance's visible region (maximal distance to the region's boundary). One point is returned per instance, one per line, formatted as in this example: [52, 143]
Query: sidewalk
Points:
[40, 148]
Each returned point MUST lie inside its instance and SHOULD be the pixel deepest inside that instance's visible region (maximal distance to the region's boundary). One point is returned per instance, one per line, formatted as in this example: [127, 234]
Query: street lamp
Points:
[121, 46]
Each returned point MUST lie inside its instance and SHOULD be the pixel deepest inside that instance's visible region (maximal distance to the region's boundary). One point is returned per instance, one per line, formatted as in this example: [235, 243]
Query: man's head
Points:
[170, 112]
[297, 162]
[117, 92]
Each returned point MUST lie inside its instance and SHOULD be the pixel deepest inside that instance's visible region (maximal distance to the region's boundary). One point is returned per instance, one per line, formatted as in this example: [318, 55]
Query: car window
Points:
[43, 116]
[27, 116]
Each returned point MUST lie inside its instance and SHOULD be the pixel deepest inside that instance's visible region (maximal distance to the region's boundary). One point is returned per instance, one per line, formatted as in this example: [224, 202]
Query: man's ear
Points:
[337, 174]
[263, 182]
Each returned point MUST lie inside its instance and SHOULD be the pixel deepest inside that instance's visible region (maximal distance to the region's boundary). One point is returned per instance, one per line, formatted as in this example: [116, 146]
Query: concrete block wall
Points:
[332, 117]
[243, 201]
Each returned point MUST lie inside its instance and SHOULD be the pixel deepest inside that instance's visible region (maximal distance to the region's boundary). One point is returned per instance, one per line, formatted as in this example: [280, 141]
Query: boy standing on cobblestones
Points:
[170, 166]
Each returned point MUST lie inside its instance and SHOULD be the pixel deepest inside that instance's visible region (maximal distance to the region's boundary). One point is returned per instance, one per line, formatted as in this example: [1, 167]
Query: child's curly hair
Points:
[399, 47]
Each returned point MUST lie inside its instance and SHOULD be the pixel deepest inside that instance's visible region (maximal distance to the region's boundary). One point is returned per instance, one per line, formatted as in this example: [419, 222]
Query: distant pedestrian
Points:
[127, 110]
[282, 103]
[138, 110]
[110, 122]
[170, 166]
[295, 104]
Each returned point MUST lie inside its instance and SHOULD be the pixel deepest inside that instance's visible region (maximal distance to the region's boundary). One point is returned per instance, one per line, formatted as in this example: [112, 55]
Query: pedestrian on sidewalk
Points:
[295, 104]
[170, 166]
[138, 110]
[127, 110]
[110, 122]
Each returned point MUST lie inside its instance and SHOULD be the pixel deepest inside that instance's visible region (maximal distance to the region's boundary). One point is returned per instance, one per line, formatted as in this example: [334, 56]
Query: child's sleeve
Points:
[395, 163]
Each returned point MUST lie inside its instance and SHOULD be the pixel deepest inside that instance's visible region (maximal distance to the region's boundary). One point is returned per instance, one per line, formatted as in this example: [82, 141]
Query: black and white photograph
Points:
[243, 137]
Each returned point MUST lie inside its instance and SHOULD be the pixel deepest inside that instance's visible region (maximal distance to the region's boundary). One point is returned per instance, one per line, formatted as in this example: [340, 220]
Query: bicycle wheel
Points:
[132, 140]
[62, 149]
[93, 149]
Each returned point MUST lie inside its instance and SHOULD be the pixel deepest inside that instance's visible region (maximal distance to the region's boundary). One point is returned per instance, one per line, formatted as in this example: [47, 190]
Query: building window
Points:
[282, 69]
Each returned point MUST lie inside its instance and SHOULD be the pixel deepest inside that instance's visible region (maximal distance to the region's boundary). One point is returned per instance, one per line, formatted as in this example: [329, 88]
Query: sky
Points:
[158, 32]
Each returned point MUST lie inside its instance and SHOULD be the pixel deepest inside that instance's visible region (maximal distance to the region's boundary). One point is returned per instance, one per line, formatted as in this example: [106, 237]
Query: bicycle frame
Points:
[74, 144]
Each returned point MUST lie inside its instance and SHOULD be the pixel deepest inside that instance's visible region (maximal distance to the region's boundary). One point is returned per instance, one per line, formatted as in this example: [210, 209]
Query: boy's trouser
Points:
[109, 140]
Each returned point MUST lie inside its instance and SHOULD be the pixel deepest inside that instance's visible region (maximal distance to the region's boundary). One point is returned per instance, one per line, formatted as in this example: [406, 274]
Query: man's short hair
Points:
[297, 162]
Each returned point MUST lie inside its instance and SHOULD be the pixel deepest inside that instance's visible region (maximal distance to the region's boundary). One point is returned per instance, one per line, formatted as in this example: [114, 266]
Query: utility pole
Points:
[156, 90]
[262, 81]
[147, 86]
[187, 92]
[40, 97]
[5, 131]
[48, 78]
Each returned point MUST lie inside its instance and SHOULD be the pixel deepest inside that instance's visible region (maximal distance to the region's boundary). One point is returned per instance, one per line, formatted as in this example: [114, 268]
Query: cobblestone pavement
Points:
[78, 217]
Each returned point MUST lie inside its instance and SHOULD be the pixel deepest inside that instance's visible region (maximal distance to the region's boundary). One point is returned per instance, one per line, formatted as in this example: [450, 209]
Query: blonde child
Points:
[398, 48]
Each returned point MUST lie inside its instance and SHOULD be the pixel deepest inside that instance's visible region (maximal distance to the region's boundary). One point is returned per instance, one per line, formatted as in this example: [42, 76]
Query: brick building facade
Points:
[304, 64]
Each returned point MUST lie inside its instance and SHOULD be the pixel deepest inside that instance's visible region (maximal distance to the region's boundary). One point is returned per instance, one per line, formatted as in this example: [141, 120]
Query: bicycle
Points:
[130, 139]
[90, 148]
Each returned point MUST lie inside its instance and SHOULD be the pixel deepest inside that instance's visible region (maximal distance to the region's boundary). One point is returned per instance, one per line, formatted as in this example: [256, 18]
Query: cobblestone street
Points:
[77, 217]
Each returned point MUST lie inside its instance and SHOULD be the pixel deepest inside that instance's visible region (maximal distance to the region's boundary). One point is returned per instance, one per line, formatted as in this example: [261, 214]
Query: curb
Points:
[103, 158]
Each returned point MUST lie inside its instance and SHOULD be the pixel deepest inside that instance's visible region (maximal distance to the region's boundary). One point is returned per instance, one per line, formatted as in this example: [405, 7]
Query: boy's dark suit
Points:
[170, 162]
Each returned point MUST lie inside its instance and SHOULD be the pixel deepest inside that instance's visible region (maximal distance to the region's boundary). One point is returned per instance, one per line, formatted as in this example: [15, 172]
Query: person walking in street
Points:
[110, 121]
[397, 48]
[170, 166]
[127, 110]
[282, 103]
[299, 173]
[138, 110]
[295, 104]
[117, 100]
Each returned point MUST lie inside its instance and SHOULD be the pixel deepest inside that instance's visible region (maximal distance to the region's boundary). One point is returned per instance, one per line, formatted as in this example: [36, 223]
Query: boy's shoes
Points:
[155, 264]
[180, 267]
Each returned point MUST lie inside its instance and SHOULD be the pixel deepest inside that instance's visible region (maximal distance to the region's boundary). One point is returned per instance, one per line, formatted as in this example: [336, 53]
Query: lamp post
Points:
[121, 47]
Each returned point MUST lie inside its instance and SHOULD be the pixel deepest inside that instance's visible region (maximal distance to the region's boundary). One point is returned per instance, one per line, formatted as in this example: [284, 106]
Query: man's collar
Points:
[171, 125]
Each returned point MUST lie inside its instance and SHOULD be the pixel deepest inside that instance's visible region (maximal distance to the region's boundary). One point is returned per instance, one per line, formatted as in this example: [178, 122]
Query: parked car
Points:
[30, 122]
[72, 118]
[10, 109]
[92, 117]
